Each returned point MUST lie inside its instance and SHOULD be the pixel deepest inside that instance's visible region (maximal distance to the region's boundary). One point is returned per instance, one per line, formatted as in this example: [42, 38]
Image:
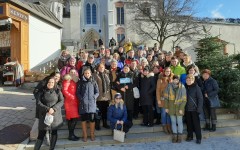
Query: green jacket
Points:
[175, 100]
[178, 70]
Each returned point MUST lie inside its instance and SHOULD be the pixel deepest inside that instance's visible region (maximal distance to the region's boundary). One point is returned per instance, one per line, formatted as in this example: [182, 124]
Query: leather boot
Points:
[213, 129]
[169, 128]
[38, 144]
[207, 127]
[179, 138]
[71, 127]
[53, 141]
[74, 123]
[165, 130]
[174, 138]
[84, 131]
[92, 129]
[105, 125]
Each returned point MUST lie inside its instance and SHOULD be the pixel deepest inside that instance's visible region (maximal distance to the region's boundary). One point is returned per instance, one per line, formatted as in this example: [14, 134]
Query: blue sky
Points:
[218, 8]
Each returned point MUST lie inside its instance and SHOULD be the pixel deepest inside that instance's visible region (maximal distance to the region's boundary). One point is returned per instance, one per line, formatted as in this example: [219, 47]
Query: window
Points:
[120, 15]
[146, 9]
[94, 14]
[1, 9]
[66, 9]
[88, 14]
[120, 37]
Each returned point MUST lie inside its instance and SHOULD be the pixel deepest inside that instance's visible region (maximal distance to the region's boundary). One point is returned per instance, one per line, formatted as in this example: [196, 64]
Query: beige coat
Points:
[161, 85]
[102, 96]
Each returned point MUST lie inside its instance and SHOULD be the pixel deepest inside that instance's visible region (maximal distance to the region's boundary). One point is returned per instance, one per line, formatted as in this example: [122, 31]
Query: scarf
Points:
[176, 93]
[104, 82]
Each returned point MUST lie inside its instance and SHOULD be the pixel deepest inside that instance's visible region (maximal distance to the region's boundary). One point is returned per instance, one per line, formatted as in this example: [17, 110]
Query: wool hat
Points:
[118, 95]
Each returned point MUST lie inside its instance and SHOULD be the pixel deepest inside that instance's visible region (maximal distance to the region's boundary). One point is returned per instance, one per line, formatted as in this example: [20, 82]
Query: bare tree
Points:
[160, 20]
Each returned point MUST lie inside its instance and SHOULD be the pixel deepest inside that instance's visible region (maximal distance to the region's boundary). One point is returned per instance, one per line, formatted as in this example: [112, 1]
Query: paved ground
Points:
[16, 107]
[213, 143]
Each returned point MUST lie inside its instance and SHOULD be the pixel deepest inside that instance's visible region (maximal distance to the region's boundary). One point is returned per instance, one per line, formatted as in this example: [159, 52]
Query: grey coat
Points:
[50, 99]
[87, 94]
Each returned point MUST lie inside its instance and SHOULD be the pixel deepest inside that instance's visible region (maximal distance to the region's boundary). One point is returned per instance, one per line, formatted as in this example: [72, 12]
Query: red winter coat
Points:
[71, 102]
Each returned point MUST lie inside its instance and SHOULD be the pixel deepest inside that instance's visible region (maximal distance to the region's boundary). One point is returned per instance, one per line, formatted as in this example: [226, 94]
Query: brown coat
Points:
[102, 96]
[161, 85]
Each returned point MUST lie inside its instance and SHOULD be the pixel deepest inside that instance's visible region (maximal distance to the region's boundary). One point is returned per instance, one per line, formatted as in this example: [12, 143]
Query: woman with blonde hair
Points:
[165, 78]
[117, 114]
[63, 59]
[71, 102]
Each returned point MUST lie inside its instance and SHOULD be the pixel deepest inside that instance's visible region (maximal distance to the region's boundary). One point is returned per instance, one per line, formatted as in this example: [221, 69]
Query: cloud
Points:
[215, 13]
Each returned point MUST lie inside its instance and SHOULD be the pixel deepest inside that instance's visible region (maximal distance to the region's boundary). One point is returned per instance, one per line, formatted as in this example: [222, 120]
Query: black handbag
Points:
[214, 102]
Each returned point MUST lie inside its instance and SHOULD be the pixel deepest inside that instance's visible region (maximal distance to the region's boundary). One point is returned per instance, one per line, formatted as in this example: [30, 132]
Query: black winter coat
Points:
[87, 94]
[147, 89]
[128, 97]
[50, 99]
[85, 66]
[194, 98]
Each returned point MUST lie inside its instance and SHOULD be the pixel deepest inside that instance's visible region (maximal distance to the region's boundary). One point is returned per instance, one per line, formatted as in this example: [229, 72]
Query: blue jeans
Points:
[165, 118]
[177, 120]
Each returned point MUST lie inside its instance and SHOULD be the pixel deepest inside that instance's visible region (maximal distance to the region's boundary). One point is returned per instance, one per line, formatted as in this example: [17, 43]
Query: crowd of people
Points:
[116, 86]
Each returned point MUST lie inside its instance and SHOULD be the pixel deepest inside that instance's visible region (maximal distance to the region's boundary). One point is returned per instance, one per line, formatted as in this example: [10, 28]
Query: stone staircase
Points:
[227, 125]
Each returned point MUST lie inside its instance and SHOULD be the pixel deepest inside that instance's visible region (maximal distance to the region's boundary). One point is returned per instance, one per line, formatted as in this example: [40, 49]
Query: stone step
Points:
[135, 138]
[139, 120]
[63, 134]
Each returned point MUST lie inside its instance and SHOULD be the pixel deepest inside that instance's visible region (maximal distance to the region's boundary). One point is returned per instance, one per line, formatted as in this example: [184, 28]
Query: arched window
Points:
[88, 13]
[94, 14]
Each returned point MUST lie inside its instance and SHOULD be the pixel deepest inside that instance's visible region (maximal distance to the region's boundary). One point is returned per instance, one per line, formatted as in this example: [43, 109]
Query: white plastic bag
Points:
[136, 92]
[48, 119]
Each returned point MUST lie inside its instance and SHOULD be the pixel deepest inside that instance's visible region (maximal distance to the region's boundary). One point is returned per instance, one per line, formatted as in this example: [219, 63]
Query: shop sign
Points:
[18, 14]
[5, 39]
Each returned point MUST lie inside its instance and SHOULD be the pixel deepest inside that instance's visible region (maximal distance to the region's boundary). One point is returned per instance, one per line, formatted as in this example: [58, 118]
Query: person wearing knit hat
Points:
[117, 114]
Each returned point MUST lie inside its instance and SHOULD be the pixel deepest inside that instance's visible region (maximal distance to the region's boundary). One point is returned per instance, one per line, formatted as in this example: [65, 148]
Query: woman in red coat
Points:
[71, 102]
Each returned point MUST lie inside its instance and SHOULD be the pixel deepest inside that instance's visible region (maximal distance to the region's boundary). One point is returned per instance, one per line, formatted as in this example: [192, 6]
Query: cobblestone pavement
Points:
[16, 107]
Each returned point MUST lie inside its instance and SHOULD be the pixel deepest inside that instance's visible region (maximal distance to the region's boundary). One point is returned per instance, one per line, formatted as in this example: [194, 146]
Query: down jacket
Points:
[71, 102]
[87, 93]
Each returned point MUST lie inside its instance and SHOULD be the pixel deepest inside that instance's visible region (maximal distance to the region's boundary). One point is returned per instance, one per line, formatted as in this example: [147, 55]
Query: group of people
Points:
[116, 86]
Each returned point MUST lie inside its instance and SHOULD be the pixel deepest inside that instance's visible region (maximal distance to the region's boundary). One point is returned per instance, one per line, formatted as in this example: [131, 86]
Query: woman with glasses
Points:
[117, 114]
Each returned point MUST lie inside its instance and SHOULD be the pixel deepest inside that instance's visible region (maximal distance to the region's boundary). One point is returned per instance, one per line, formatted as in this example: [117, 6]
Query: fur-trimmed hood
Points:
[151, 74]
